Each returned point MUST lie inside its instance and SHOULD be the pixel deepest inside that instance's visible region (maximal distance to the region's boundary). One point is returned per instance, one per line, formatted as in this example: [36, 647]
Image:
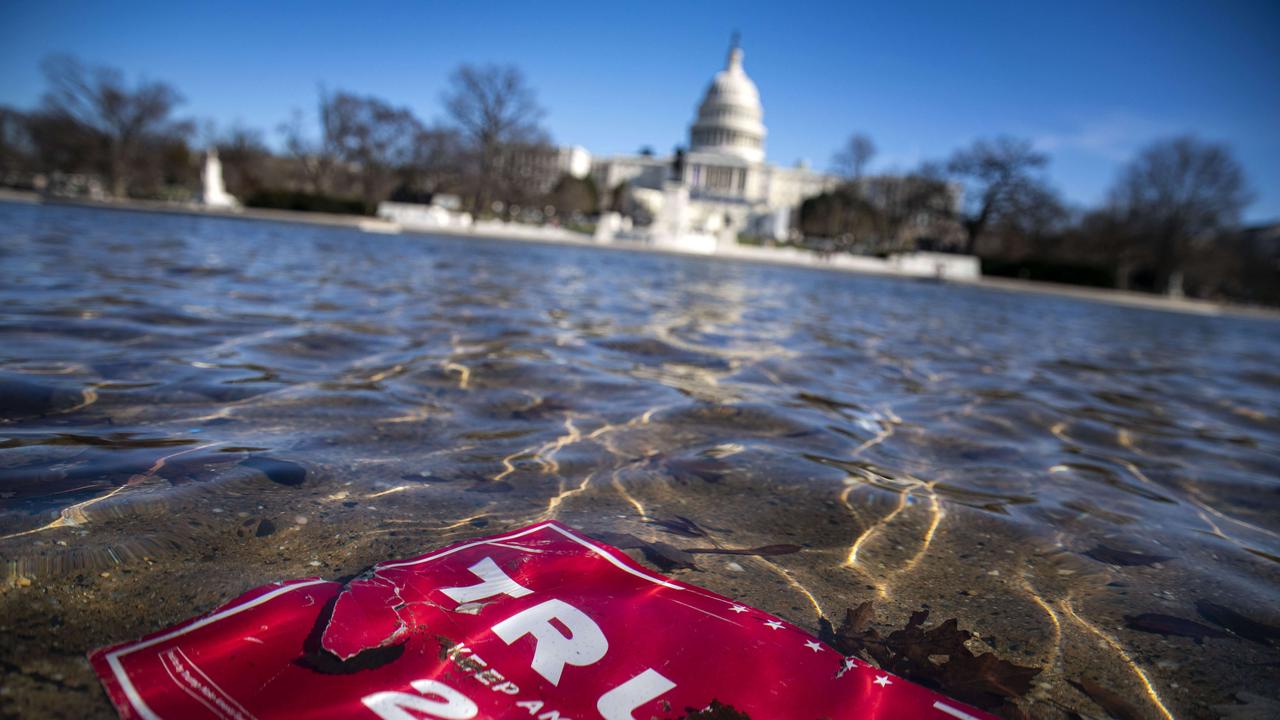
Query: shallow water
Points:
[195, 406]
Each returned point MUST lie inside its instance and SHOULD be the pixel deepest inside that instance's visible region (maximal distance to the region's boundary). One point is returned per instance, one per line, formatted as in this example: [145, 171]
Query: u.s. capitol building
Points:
[722, 184]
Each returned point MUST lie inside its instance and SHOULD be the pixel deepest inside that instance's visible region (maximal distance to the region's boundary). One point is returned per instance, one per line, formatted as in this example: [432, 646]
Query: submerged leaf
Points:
[1112, 556]
[985, 681]
[282, 472]
[1114, 703]
[664, 555]
[855, 635]
[1171, 625]
[763, 550]
[1245, 627]
[1255, 707]
[680, 525]
[684, 470]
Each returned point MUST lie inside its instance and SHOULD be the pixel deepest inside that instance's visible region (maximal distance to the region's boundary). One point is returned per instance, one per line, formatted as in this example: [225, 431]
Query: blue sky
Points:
[1089, 82]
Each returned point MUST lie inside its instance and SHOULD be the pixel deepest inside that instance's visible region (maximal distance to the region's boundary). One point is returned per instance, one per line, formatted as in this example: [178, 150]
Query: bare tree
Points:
[438, 161]
[126, 118]
[852, 158]
[496, 114]
[244, 157]
[1178, 192]
[908, 207]
[1000, 174]
[317, 158]
[373, 137]
[15, 144]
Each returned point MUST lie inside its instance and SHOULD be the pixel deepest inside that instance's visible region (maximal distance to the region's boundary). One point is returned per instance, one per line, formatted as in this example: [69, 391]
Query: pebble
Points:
[24, 582]
[300, 519]
[105, 574]
[314, 563]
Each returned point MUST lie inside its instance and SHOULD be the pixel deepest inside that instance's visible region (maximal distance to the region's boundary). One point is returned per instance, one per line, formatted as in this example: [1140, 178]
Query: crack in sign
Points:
[380, 608]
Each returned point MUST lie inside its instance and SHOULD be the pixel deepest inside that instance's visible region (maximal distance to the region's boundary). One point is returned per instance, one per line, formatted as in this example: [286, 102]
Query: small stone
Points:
[993, 572]
[300, 519]
[314, 563]
[24, 582]
[104, 574]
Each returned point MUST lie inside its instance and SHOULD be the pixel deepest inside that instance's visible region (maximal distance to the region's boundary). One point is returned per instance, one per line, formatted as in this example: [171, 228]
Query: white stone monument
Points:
[212, 192]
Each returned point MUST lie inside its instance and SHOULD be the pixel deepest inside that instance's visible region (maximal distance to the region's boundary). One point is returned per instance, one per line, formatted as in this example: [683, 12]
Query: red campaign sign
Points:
[539, 623]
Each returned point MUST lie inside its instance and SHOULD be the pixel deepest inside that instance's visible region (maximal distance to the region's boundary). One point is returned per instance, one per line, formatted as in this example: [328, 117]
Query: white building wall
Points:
[756, 201]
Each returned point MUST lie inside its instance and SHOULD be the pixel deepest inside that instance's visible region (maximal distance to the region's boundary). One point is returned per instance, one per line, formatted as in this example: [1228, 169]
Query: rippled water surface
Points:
[192, 407]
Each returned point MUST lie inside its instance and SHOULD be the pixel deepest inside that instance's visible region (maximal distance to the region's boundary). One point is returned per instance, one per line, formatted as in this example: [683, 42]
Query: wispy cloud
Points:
[1113, 137]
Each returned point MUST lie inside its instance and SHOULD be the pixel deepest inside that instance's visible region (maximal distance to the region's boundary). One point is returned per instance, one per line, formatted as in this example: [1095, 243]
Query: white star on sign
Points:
[814, 646]
[773, 624]
[882, 680]
[738, 609]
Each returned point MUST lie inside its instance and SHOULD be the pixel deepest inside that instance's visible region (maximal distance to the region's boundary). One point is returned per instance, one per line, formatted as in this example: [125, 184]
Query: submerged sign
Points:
[539, 623]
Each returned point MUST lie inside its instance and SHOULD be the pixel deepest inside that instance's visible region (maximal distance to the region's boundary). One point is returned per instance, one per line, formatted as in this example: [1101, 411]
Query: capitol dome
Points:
[730, 119]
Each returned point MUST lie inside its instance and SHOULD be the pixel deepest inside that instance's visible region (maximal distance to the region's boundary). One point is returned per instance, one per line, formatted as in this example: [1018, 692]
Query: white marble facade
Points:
[731, 188]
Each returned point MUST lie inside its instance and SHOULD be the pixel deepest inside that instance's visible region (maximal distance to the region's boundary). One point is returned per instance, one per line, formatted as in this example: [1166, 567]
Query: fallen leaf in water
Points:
[1245, 627]
[763, 550]
[1114, 703]
[679, 525]
[1111, 556]
[1255, 707]
[684, 470]
[856, 636]
[985, 681]
[664, 555]
[913, 646]
[668, 556]
[1170, 625]
[283, 472]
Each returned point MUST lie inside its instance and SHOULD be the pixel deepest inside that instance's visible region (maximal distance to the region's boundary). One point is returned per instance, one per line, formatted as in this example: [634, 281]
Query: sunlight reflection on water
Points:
[174, 386]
